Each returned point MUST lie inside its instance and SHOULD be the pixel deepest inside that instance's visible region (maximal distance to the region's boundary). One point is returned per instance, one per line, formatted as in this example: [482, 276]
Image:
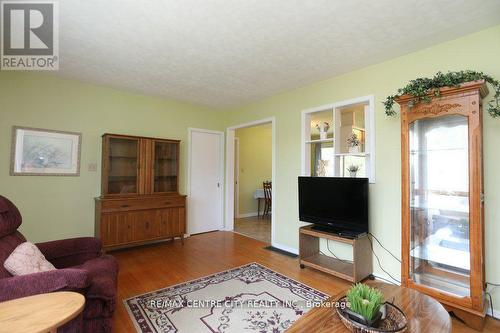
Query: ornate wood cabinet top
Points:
[465, 89]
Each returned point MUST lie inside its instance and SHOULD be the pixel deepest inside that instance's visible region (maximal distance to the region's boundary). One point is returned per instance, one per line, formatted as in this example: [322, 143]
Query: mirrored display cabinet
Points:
[442, 199]
[140, 201]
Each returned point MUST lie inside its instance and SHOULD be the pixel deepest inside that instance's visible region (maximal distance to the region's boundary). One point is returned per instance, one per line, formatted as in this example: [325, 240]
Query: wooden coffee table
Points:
[40, 313]
[424, 313]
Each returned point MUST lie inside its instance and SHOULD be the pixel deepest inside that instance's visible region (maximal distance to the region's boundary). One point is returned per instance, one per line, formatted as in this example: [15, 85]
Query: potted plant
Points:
[353, 170]
[365, 304]
[323, 128]
[353, 143]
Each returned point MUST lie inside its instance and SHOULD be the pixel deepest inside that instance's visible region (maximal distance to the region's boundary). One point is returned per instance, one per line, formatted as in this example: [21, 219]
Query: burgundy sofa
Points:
[81, 267]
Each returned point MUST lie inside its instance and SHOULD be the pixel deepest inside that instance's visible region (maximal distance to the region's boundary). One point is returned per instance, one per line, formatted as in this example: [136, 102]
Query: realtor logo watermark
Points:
[30, 35]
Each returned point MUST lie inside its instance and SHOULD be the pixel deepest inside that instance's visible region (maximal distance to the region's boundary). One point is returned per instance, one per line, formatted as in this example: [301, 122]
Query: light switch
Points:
[93, 167]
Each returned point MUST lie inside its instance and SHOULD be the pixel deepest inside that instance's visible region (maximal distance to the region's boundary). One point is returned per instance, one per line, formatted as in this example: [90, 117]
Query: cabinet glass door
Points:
[122, 165]
[165, 166]
[439, 204]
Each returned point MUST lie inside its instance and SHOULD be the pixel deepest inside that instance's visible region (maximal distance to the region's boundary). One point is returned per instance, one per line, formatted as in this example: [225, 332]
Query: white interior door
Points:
[205, 181]
[236, 177]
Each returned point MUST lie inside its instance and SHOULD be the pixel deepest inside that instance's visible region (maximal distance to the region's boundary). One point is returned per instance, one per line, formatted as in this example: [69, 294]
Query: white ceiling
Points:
[224, 53]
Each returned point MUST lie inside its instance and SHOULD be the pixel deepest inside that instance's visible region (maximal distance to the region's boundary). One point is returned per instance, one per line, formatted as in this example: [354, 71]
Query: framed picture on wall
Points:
[41, 152]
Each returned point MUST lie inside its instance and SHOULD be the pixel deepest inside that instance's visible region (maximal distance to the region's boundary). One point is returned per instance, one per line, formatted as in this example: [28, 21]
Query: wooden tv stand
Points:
[310, 256]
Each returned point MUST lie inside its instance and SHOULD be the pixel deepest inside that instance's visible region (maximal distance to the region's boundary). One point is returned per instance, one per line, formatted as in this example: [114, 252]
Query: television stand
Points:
[338, 232]
[310, 256]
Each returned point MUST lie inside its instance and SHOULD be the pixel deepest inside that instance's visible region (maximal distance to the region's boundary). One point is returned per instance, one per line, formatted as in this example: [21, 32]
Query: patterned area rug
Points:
[250, 298]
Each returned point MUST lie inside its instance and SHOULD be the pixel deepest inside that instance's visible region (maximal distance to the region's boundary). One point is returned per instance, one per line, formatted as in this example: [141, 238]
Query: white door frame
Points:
[230, 131]
[221, 173]
[236, 177]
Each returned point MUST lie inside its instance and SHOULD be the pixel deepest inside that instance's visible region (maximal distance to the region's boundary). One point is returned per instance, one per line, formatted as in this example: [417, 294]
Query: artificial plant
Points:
[364, 300]
[420, 89]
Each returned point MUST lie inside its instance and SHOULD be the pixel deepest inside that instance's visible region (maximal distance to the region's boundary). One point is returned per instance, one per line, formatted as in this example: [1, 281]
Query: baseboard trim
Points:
[280, 251]
[242, 216]
[285, 248]
[496, 313]
[383, 278]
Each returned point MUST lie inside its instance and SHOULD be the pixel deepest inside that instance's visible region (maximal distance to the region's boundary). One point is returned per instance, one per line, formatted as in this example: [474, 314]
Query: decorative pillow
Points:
[27, 259]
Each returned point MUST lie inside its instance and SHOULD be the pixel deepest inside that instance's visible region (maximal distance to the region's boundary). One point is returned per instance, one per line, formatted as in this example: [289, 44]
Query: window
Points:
[338, 139]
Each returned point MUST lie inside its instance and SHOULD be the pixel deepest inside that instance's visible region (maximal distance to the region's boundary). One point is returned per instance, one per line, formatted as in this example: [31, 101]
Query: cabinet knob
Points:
[125, 206]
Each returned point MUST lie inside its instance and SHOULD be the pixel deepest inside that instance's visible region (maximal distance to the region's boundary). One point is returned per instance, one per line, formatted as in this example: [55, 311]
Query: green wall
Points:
[479, 51]
[58, 207]
[55, 207]
[255, 163]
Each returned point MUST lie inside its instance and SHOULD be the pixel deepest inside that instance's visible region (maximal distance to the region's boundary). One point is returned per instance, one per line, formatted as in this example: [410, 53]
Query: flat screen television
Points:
[338, 205]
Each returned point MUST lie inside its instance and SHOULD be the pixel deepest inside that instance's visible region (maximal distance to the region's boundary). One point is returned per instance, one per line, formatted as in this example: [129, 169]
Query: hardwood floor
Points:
[157, 266]
[254, 227]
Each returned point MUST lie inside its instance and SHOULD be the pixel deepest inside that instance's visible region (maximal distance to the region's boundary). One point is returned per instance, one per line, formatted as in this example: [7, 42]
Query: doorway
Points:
[205, 189]
[236, 176]
[250, 151]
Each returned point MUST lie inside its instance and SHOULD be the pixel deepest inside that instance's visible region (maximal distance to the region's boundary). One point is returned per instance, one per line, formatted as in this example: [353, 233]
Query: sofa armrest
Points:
[71, 252]
[43, 282]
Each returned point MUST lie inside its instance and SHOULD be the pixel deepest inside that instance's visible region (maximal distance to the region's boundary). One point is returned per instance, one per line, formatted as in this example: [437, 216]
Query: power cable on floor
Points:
[491, 305]
[333, 254]
[379, 243]
[379, 264]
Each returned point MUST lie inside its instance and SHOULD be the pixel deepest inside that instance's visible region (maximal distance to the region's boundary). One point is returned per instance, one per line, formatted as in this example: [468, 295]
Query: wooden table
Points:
[258, 195]
[424, 313]
[40, 313]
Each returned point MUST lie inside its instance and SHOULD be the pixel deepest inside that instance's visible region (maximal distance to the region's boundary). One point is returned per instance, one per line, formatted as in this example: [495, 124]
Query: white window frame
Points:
[369, 102]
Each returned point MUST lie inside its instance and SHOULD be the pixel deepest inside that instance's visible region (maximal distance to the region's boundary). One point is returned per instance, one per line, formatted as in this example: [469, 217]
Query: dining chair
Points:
[267, 186]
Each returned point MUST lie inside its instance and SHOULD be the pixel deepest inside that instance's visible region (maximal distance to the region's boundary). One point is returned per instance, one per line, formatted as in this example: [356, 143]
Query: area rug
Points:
[250, 298]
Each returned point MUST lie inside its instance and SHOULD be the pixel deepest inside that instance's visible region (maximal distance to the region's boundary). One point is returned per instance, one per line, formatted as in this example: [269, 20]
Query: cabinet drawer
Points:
[142, 203]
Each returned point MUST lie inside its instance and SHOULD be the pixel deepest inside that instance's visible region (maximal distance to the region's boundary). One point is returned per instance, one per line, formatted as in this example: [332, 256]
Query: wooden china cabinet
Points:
[442, 199]
[140, 200]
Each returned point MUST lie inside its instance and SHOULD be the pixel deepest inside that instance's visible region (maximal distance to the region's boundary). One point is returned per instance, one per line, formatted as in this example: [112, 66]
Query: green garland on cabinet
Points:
[421, 87]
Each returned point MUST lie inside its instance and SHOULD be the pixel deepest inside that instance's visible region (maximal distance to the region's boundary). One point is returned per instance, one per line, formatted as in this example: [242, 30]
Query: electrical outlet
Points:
[92, 167]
